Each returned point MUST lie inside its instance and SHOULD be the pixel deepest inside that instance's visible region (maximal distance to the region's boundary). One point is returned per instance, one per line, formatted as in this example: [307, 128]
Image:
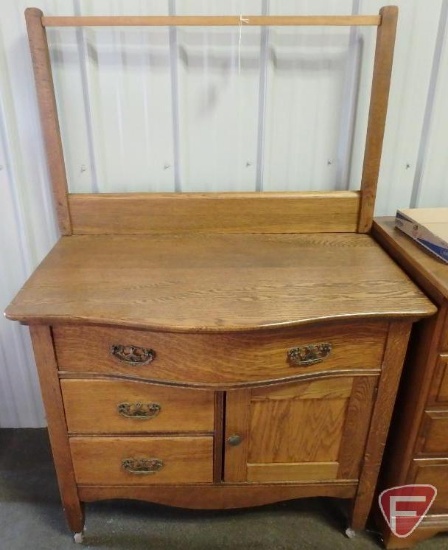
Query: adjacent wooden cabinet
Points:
[418, 446]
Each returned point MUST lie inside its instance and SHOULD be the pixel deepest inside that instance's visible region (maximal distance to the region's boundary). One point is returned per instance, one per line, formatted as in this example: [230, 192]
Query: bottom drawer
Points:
[142, 460]
[433, 472]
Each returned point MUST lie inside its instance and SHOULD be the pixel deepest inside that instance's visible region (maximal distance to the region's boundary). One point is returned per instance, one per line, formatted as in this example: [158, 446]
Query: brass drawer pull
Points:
[140, 411]
[133, 355]
[309, 355]
[142, 466]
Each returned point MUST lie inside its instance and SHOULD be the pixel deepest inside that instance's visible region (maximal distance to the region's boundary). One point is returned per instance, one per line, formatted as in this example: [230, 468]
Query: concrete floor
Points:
[31, 516]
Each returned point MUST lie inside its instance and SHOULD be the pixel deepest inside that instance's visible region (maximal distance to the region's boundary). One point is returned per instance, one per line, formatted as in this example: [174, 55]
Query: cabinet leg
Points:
[393, 358]
[74, 513]
[57, 430]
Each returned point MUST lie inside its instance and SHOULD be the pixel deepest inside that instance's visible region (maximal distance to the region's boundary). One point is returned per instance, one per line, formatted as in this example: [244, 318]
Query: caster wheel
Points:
[78, 537]
[351, 534]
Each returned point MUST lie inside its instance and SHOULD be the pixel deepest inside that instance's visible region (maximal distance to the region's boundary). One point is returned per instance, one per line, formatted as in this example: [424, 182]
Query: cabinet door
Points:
[303, 431]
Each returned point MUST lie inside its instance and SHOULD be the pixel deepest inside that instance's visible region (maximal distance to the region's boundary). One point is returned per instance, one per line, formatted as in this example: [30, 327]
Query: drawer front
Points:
[435, 432]
[142, 460]
[441, 379]
[433, 472]
[220, 358]
[117, 406]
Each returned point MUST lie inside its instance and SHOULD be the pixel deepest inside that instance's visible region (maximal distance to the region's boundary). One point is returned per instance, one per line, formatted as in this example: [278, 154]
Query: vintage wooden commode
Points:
[217, 350]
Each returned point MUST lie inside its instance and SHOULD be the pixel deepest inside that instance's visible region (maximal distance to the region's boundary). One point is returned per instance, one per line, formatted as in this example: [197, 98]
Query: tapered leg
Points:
[57, 429]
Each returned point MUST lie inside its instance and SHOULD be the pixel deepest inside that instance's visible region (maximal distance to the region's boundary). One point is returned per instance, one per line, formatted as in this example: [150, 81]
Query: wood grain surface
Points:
[394, 355]
[440, 389]
[433, 472]
[220, 359]
[216, 282]
[98, 460]
[417, 445]
[217, 497]
[444, 336]
[412, 399]
[49, 116]
[209, 21]
[427, 270]
[382, 72]
[147, 213]
[295, 431]
[237, 423]
[57, 429]
[306, 471]
[299, 428]
[356, 428]
[435, 430]
[91, 407]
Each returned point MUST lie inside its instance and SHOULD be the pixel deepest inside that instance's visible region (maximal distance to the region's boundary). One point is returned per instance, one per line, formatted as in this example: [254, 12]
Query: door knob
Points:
[234, 440]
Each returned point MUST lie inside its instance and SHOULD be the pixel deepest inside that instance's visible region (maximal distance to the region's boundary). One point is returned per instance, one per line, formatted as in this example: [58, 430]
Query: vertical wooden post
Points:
[48, 115]
[382, 70]
[394, 355]
[54, 409]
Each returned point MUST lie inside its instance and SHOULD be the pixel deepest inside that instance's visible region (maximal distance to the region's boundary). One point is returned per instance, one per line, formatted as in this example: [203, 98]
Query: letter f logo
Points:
[404, 507]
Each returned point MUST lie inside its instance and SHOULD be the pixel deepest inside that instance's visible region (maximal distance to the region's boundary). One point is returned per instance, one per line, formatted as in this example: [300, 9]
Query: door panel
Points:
[309, 471]
[278, 432]
[303, 431]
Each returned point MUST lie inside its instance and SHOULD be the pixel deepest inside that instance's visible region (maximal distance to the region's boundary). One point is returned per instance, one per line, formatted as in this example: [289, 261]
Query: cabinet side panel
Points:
[412, 399]
[396, 347]
[356, 427]
[54, 408]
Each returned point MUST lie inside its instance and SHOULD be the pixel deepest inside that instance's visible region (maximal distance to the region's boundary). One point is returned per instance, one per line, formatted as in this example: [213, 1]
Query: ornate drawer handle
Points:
[142, 466]
[140, 411]
[133, 355]
[309, 355]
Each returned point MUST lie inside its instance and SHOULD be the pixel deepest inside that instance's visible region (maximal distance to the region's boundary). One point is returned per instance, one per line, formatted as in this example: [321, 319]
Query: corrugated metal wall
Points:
[204, 110]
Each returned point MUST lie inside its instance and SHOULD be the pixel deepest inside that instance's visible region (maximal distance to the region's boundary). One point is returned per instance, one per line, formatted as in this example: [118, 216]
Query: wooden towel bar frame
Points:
[301, 212]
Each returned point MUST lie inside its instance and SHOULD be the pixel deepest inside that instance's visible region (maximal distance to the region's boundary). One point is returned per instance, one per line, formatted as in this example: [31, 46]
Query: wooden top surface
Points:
[216, 282]
[428, 270]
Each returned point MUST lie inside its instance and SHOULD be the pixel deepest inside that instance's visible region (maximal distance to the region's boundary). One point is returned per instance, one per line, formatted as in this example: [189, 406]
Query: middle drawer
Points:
[118, 406]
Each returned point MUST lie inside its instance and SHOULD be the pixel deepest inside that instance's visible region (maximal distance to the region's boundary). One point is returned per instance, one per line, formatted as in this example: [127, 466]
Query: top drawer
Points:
[220, 358]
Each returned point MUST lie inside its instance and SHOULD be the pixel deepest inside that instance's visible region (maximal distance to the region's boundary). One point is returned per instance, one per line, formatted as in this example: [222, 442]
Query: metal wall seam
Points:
[435, 110]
